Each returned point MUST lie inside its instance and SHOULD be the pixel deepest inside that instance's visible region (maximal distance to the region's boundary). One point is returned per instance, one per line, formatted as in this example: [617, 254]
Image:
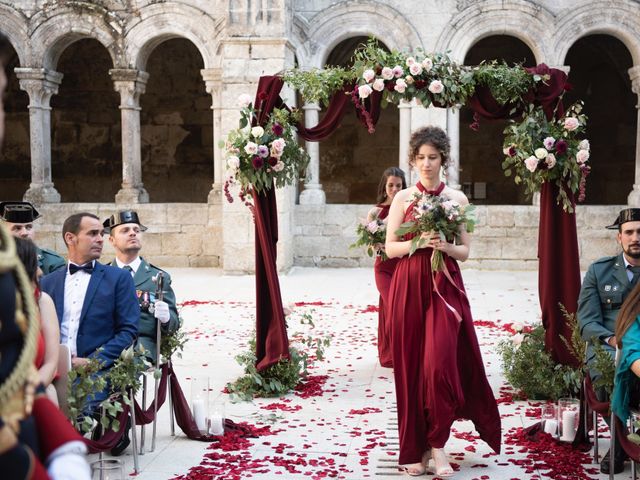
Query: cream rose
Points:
[257, 132]
[540, 153]
[582, 156]
[436, 86]
[550, 160]
[571, 123]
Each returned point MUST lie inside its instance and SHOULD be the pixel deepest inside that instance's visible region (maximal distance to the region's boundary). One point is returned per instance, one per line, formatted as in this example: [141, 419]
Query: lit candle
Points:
[550, 426]
[217, 425]
[568, 425]
[199, 414]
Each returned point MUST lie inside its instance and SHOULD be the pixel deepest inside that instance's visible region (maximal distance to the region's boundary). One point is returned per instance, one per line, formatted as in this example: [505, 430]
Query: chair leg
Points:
[144, 409]
[171, 417]
[596, 453]
[612, 448]
[134, 439]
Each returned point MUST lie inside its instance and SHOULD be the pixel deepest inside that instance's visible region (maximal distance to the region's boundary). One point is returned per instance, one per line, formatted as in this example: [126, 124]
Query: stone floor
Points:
[349, 430]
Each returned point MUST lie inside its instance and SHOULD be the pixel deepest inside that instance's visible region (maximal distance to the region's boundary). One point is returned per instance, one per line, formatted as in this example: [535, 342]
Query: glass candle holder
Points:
[107, 469]
[216, 418]
[568, 415]
[550, 419]
[200, 402]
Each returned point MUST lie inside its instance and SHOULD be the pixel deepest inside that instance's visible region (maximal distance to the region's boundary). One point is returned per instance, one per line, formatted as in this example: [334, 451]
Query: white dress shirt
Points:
[134, 265]
[75, 289]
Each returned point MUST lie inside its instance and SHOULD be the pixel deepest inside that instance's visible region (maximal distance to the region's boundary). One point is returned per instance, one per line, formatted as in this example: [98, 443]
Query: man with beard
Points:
[605, 286]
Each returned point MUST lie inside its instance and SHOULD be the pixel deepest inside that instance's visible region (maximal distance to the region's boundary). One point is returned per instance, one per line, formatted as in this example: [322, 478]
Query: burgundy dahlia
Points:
[277, 129]
[272, 161]
[561, 147]
[257, 162]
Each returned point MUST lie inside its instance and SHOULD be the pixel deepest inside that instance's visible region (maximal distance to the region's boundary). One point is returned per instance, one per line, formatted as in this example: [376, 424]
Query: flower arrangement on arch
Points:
[538, 150]
[257, 157]
[372, 235]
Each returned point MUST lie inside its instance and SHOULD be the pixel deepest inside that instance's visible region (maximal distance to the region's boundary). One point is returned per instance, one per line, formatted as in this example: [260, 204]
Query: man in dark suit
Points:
[125, 234]
[605, 286]
[96, 304]
[19, 218]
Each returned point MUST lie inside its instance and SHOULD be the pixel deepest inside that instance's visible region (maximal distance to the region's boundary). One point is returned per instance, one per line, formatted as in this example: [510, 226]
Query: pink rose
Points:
[410, 61]
[548, 142]
[550, 161]
[584, 145]
[368, 75]
[364, 91]
[372, 226]
[582, 156]
[415, 69]
[427, 64]
[401, 86]
[571, 123]
[278, 145]
[378, 85]
[397, 71]
[531, 163]
[251, 148]
[436, 86]
[517, 339]
[279, 166]
[387, 73]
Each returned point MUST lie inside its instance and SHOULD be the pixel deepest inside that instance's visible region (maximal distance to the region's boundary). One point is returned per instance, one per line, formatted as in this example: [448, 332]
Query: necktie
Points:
[87, 267]
[128, 269]
[636, 274]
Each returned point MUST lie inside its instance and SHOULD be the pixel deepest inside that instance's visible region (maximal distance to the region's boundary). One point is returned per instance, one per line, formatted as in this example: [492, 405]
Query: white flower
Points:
[541, 153]
[279, 166]
[518, 326]
[550, 160]
[244, 100]
[257, 132]
[517, 339]
[397, 71]
[378, 85]
[415, 69]
[368, 75]
[548, 142]
[571, 123]
[364, 91]
[531, 163]
[584, 145]
[387, 73]
[251, 148]
[233, 162]
[427, 64]
[372, 226]
[436, 86]
[410, 61]
[582, 156]
[400, 86]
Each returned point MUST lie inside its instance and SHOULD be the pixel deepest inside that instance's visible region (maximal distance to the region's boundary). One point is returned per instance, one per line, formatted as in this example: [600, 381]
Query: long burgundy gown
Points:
[383, 272]
[438, 369]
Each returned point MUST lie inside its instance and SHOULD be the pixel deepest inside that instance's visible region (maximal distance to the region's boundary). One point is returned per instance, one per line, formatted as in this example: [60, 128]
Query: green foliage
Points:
[507, 84]
[318, 86]
[281, 378]
[173, 343]
[603, 363]
[84, 381]
[372, 235]
[576, 345]
[529, 368]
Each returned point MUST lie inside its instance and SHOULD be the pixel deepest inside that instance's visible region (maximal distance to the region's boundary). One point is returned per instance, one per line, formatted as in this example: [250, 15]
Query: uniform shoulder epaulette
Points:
[606, 259]
[50, 252]
[158, 268]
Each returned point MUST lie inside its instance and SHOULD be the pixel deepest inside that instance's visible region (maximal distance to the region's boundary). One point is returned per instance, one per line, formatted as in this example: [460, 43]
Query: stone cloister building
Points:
[123, 103]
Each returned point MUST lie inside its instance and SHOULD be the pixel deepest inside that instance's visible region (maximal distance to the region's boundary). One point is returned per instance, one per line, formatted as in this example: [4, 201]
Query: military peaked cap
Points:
[123, 216]
[18, 212]
[626, 215]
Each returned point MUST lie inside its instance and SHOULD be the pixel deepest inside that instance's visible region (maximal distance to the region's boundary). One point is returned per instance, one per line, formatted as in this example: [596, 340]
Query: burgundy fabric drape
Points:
[558, 272]
[331, 119]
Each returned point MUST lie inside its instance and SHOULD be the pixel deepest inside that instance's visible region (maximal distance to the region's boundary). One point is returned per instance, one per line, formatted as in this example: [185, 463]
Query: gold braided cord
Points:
[26, 312]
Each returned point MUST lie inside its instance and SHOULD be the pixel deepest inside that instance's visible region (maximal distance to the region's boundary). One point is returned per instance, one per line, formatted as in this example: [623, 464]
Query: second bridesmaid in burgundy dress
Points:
[392, 182]
[438, 369]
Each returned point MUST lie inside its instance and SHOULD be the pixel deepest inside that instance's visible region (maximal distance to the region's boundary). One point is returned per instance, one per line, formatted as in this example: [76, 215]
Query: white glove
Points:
[69, 462]
[161, 311]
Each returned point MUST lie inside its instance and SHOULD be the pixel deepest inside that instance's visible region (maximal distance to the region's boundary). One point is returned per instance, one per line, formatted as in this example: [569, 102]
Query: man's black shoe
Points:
[618, 462]
[124, 442]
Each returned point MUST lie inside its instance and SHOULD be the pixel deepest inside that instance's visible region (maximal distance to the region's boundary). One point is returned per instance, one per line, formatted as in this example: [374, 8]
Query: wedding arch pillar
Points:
[404, 109]
[213, 83]
[130, 84]
[312, 193]
[634, 197]
[453, 130]
[40, 84]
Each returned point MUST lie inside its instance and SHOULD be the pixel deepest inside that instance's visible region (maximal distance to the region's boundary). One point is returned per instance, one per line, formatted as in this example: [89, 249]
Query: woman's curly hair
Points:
[433, 136]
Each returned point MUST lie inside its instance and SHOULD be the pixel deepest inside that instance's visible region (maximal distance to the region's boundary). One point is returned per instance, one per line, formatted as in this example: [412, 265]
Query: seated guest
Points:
[125, 234]
[49, 338]
[96, 304]
[19, 218]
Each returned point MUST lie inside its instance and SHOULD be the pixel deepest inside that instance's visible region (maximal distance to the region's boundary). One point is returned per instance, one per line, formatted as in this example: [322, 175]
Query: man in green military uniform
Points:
[125, 234]
[605, 286]
[19, 218]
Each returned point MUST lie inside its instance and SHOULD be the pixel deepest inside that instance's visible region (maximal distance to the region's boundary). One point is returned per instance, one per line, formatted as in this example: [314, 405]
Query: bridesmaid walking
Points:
[392, 182]
[438, 369]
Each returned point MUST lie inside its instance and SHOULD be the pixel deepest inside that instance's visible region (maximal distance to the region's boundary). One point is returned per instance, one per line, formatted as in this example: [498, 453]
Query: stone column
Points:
[130, 84]
[40, 84]
[634, 197]
[312, 193]
[453, 130]
[213, 83]
[404, 109]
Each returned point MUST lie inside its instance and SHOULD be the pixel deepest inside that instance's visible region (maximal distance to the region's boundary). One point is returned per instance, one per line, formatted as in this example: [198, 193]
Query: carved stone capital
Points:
[40, 84]
[212, 79]
[130, 84]
[634, 75]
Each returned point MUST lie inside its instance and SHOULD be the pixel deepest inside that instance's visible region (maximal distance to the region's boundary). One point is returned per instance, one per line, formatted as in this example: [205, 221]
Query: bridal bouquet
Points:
[372, 235]
[433, 213]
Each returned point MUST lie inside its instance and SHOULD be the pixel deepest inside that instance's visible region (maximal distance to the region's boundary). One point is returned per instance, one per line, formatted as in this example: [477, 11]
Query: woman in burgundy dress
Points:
[438, 368]
[392, 182]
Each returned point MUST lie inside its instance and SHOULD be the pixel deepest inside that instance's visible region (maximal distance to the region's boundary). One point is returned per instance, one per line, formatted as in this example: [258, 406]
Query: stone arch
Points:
[14, 26]
[160, 22]
[339, 22]
[620, 22]
[54, 33]
[517, 18]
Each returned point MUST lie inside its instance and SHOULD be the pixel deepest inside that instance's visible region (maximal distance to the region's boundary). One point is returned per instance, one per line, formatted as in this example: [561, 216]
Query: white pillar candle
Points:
[550, 426]
[568, 425]
[199, 414]
[217, 425]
